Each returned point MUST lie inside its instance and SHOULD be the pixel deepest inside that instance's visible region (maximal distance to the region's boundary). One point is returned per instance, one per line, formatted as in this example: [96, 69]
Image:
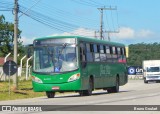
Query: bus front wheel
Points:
[50, 94]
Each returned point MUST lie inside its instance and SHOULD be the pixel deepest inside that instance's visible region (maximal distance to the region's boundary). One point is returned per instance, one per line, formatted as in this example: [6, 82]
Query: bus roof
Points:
[83, 39]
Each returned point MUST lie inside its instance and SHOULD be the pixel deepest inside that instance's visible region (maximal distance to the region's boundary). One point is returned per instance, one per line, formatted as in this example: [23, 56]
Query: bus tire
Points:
[50, 94]
[87, 92]
[114, 89]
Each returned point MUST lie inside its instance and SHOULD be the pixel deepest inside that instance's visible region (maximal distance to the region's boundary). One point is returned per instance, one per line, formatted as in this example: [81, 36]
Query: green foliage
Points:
[142, 51]
[7, 37]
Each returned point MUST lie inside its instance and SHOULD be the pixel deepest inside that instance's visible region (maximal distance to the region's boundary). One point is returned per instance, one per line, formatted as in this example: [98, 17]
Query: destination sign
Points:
[54, 41]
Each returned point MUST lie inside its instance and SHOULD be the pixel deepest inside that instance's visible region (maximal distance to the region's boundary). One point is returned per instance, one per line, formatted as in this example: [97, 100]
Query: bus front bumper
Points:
[68, 86]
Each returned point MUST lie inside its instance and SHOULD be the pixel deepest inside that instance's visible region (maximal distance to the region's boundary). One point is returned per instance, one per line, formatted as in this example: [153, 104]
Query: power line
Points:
[6, 6]
[31, 7]
[50, 22]
[44, 17]
[117, 20]
[59, 23]
[91, 3]
[112, 20]
[84, 3]
[107, 21]
[65, 15]
[45, 20]
[97, 3]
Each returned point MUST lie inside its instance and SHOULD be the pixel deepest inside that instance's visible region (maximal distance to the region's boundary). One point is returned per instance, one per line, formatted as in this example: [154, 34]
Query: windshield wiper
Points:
[60, 52]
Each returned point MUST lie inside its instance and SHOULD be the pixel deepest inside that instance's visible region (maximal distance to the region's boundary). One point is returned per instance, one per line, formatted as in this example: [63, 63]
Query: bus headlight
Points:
[35, 79]
[74, 77]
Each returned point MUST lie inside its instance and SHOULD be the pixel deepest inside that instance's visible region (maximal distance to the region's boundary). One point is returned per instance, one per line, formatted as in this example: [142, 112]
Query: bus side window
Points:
[114, 50]
[96, 52]
[89, 52]
[124, 54]
[119, 51]
[102, 53]
[108, 53]
[82, 52]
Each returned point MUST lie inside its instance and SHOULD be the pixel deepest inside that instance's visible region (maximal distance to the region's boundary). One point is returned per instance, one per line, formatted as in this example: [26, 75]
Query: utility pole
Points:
[101, 19]
[15, 77]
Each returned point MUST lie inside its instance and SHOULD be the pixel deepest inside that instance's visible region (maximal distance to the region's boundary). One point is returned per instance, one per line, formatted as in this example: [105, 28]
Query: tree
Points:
[7, 36]
[141, 51]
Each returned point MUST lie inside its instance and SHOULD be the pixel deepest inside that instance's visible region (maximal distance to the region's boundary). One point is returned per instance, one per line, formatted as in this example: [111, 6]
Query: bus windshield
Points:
[153, 69]
[55, 59]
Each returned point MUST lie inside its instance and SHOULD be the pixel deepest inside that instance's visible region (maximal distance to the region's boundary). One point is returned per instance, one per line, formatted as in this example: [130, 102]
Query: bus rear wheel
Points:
[114, 89]
[50, 94]
[87, 92]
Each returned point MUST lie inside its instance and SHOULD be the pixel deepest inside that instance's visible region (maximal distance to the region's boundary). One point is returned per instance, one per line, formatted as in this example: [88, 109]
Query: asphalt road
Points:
[135, 92]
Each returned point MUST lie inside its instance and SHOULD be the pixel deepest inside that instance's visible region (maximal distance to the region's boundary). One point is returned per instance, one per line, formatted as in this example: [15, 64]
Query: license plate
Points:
[55, 88]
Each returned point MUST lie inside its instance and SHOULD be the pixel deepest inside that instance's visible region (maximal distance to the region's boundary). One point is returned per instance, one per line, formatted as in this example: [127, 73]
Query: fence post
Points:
[30, 70]
[5, 59]
[27, 67]
[21, 65]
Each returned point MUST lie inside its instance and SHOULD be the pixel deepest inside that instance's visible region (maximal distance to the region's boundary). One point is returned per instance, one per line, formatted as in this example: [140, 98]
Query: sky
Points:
[133, 21]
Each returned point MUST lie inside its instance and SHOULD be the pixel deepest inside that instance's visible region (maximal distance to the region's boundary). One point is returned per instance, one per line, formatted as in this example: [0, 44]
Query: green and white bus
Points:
[80, 64]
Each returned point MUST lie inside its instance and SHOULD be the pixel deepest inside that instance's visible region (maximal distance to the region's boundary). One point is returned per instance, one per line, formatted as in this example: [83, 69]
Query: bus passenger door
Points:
[83, 66]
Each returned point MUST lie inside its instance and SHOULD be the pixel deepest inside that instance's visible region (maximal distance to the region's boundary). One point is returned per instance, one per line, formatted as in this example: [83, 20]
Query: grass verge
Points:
[24, 91]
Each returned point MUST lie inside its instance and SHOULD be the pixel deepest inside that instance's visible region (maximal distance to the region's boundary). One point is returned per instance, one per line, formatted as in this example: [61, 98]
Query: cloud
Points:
[130, 33]
[126, 35]
[125, 32]
[144, 33]
[26, 40]
[79, 32]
